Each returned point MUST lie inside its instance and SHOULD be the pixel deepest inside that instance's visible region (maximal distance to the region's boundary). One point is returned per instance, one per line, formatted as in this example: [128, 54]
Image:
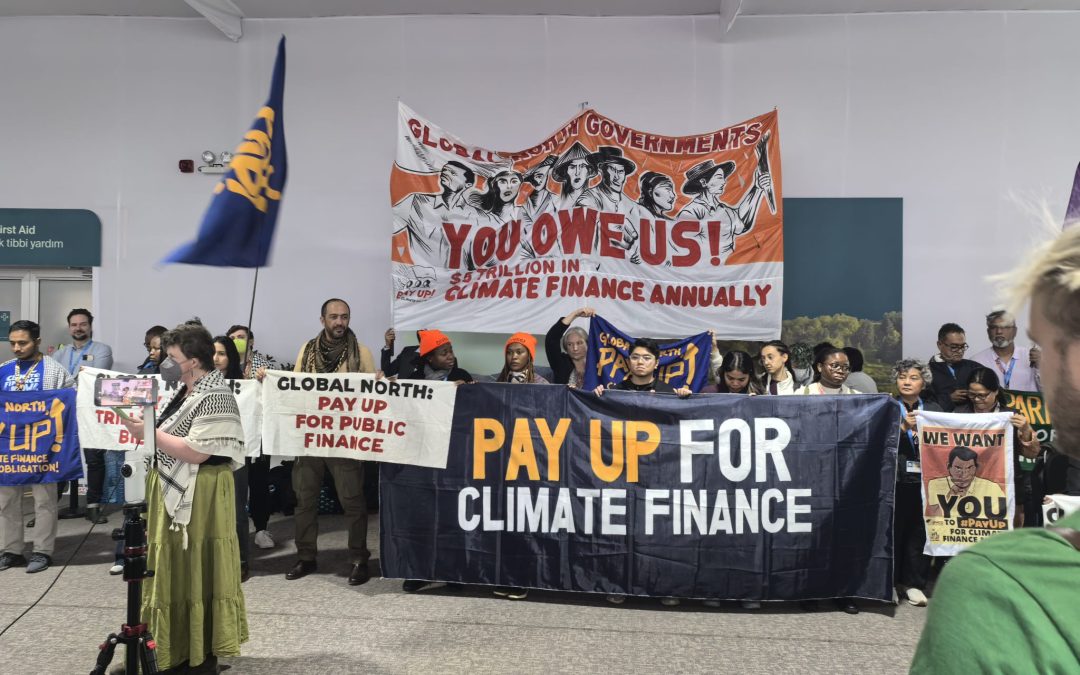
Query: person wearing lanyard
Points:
[84, 351]
[1017, 367]
[949, 368]
[436, 361]
[912, 567]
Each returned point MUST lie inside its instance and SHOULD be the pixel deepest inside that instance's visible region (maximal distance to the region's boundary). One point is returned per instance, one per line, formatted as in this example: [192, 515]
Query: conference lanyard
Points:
[76, 357]
[910, 432]
[1007, 374]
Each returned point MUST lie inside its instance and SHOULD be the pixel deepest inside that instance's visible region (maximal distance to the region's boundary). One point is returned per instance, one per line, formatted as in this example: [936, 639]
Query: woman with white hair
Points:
[912, 567]
[566, 348]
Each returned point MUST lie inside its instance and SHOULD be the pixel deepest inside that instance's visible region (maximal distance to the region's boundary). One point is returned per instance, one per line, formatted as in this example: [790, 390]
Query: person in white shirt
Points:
[1016, 367]
[779, 372]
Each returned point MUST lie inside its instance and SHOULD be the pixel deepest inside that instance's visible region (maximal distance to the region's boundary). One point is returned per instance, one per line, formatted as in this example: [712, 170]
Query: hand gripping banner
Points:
[968, 483]
[715, 496]
[39, 438]
[682, 363]
[655, 232]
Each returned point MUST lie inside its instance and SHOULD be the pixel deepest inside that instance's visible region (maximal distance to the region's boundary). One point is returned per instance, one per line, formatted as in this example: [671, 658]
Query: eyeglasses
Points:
[838, 367]
[642, 357]
[980, 397]
[955, 348]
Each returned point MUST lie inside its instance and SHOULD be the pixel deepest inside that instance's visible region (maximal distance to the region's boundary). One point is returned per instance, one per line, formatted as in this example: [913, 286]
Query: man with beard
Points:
[706, 182]
[30, 370]
[1020, 587]
[608, 161]
[85, 351]
[334, 350]
[572, 172]
[419, 218]
[1017, 367]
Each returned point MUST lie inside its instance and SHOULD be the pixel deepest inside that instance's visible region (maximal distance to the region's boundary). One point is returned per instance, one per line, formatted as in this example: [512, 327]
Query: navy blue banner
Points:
[717, 496]
[39, 437]
[682, 362]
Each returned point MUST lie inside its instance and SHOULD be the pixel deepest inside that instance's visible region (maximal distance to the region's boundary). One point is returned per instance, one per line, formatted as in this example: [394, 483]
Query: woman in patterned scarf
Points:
[520, 353]
[193, 603]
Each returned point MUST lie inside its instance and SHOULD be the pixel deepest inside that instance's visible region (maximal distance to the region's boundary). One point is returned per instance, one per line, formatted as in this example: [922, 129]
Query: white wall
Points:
[952, 112]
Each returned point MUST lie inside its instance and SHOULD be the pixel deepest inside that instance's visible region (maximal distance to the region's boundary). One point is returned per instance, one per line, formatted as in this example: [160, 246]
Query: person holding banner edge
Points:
[567, 347]
[193, 603]
[644, 361]
[30, 370]
[1022, 584]
[435, 361]
[258, 465]
[334, 350]
[911, 566]
[983, 390]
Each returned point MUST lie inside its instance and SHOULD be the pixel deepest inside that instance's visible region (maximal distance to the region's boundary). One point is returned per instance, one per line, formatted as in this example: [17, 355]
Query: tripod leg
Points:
[106, 655]
[147, 655]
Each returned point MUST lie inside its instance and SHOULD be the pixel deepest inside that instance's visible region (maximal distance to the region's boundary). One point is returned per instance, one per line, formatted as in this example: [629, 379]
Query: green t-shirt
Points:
[1009, 604]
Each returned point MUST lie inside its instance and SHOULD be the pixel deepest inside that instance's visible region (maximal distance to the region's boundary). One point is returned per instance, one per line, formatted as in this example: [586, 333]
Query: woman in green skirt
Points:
[193, 604]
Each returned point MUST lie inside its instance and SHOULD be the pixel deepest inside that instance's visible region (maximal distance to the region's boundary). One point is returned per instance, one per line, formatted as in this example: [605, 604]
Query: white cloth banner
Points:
[967, 478]
[357, 416]
[1056, 507]
[100, 426]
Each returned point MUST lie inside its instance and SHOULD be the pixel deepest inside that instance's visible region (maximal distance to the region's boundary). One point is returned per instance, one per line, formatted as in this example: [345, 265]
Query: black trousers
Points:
[259, 490]
[95, 475]
[911, 566]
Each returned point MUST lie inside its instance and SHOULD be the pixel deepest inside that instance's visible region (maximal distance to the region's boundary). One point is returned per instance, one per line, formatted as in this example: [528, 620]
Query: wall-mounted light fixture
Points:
[215, 163]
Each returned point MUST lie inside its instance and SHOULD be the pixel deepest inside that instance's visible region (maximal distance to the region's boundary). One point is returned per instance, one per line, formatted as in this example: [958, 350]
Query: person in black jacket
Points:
[949, 368]
[912, 567]
[404, 363]
[435, 360]
[566, 348]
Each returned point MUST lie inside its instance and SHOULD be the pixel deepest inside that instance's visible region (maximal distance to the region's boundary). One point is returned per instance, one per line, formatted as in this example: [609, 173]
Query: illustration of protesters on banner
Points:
[614, 169]
[540, 199]
[656, 200]
[706, 182]
[420, 217]
[499, 204]
[572, 172]
[496, 208]
[962, 481]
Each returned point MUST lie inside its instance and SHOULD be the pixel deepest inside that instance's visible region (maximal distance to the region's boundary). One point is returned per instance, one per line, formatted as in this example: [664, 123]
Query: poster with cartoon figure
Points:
[967, 475]
[661, 234]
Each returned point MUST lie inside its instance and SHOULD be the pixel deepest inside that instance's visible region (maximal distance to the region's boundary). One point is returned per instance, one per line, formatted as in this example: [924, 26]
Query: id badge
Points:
[913, 467]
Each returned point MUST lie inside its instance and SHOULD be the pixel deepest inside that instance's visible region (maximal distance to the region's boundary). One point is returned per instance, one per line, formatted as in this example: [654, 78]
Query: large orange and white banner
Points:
[662, 235]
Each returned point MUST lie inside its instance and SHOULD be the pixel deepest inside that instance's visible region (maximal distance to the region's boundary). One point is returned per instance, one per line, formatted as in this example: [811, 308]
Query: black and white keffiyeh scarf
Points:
[209, 422]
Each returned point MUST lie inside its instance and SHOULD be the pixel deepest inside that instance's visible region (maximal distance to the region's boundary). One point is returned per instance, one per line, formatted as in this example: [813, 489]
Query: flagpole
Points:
[254, 287]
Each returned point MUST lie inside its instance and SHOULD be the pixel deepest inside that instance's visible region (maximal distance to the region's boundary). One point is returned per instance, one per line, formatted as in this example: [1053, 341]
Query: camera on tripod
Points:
[134, 635]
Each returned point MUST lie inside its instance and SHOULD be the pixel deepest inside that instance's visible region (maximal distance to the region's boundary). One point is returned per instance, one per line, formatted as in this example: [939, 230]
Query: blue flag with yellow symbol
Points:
[239, 224]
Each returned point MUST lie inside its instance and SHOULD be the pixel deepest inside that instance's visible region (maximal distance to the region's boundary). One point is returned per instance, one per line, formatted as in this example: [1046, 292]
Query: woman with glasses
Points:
[644, 365]
[831, 368]
[984, 394]
[912, 567]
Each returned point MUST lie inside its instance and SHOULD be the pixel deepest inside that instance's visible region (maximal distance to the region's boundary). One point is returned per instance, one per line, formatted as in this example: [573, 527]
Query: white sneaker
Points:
[916, 597]
[118, 568]
[263, 539]
[669, 602]
[615, 599]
